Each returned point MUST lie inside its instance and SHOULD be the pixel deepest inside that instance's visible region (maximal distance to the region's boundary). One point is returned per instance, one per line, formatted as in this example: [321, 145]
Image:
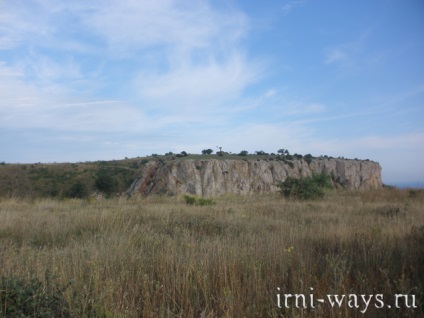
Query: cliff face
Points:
[214, 177]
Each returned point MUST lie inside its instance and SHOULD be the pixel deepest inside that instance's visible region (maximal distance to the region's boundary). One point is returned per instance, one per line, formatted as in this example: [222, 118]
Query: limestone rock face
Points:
[211, 177]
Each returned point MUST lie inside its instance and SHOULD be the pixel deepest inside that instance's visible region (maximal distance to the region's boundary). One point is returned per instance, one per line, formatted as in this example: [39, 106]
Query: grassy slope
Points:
[43, 180]
[157, 257]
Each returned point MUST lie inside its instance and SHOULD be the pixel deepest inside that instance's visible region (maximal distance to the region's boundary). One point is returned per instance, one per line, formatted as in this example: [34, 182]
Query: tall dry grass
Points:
[157, 257]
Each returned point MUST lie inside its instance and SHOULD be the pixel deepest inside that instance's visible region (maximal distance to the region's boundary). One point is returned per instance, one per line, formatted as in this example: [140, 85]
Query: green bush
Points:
[308, 158]
[105, 182]
[203, 201]
[322, 180]
[305, 188]
[78, 190]
[20, 298]
[191, 200]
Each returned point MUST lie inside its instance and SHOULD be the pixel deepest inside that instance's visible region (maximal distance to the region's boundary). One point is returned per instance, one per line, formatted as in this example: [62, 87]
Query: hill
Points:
[122, 176]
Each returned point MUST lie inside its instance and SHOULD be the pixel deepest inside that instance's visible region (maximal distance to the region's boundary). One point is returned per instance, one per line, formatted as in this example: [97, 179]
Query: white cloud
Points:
[202, 87]
[200, 61]
[335, 55]
[291, 5]
[348, 52]
[183, 25]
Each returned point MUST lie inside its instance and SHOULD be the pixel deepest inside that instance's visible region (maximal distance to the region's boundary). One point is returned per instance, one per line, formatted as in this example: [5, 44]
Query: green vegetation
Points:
[192, 200]
[67, 180]
[78, 190]
[80, 180]
[105, 182]
[189, 200]
[158, 257]
[32, 298]
[207, 151]
[305, 188]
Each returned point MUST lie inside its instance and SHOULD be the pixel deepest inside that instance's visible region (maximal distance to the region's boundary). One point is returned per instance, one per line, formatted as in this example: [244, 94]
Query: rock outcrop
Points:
[211, 177]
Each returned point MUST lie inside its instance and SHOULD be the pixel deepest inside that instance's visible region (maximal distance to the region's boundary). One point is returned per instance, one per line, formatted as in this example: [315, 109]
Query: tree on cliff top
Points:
[207, 151]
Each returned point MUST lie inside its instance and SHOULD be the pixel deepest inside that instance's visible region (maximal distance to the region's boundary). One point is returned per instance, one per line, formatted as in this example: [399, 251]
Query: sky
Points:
[108, 79]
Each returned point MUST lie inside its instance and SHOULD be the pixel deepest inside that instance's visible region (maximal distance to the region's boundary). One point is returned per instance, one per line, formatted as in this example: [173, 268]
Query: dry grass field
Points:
[158, 257]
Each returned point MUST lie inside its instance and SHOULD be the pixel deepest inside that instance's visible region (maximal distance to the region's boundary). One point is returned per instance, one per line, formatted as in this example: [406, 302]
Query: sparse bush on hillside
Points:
[306, 187]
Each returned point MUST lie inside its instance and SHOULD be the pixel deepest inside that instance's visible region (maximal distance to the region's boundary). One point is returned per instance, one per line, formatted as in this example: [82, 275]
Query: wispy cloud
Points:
[292, 4]
[178, 57]
[347, 52]
[335, 55]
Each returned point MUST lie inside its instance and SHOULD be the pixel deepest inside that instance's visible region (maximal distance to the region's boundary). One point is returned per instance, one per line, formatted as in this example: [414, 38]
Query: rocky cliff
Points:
[244, 176]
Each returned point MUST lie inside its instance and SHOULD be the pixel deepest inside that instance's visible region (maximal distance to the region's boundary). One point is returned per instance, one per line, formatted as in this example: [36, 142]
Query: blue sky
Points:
[99, 80]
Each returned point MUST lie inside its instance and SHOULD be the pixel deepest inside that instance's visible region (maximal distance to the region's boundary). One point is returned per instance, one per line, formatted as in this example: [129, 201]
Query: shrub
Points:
[203, 201]
[105, 182]
[308, 158]
[243, 153]
[78, 190]
[305, 188]
[191, 200]
[20, 298]
[322, 180]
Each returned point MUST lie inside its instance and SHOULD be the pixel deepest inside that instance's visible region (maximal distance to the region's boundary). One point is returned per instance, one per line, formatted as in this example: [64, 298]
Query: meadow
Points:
[157, 256]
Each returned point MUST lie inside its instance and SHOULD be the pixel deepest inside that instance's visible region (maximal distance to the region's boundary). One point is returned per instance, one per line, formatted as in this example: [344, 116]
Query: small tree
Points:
[243, 153]
[283, 151]
[207, 151]
[308, 158]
